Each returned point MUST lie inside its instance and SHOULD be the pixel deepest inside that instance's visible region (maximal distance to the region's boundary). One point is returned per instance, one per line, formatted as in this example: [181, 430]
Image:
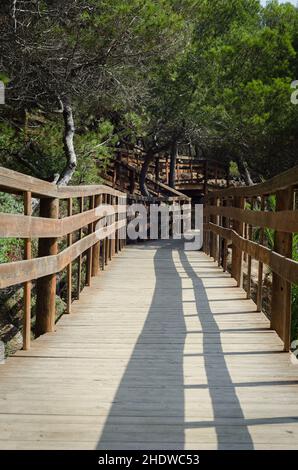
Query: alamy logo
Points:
[2, 93]
[157, 222]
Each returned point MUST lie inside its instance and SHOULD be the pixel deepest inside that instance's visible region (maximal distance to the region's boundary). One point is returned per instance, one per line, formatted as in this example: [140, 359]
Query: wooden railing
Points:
[65, 231]
[232, 216]
[190, 173]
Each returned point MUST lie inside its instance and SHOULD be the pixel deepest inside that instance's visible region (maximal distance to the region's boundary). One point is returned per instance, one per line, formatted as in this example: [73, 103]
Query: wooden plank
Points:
[285, 221]
[286, 267]
[22, 271]
[96, 247]
[46, 285]
[90, 250]
[80, 258]
[28, 284]
[271, 186]
[281, 288]
[13, 181]
[163, 351]
[236, 249]
[20, 226]
[260, 267]
[69, 267]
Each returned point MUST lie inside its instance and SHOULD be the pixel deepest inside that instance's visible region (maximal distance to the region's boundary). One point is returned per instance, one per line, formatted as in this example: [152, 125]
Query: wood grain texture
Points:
[22, 271]
[286, 267]
[22, 226]
[271, 186]
[285, 220]
[163, 351]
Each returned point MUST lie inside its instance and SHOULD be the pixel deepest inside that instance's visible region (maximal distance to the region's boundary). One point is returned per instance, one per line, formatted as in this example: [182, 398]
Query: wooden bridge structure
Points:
[159, 347]
[194, 177]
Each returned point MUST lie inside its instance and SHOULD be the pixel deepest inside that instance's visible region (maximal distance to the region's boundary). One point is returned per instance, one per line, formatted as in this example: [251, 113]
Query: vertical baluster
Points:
[281, 288]
[27, 285]
[79, 280]
[89, 251]
[225, 241]
[96, 247]
[237, 252]
[69, 267]
[249, 260]
[260, 268]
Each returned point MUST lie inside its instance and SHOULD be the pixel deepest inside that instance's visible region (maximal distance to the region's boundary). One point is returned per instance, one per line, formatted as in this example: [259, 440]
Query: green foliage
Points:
[10, 248]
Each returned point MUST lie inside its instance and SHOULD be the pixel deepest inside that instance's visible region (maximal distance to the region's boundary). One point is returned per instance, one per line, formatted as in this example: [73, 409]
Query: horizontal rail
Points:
[285, 221]
[22, 271]
[17, 183]
[88, 243]
[226, 220]
[277, 183]
[278, 264]
[22, 226]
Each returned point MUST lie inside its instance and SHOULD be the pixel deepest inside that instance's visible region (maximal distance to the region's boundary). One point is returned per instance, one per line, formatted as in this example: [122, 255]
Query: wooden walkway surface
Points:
[162, 352]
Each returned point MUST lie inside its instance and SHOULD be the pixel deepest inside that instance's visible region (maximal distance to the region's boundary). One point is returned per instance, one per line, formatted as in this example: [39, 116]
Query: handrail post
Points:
[281, 289]
[46, 286]
[96, 247]
[80, 258]
[27, 285]
[214, 237]
[90, 250]
[69, 267]
[260, 268]
[237, 252]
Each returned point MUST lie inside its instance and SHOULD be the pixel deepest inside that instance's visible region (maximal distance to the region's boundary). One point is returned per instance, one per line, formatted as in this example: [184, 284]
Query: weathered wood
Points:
[183, 361]
[90, 250]
[225, 224]
[15, 225]
[22, 271]
[214, 237]
[96, 247]
[285, 221]
[46, 286]
[271, 186]
[69, 267]
[260, 267]
[249, 260]
[236, 252]
[80, 258]
[18, 183]
[281, 288]
[277, 262]
[28, 284]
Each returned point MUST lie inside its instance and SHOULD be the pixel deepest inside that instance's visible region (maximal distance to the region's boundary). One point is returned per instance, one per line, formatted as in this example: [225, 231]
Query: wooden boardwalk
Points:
[162, 352]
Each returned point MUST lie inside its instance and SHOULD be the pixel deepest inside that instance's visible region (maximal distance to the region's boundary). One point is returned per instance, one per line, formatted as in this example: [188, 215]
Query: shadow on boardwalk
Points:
[148, 410]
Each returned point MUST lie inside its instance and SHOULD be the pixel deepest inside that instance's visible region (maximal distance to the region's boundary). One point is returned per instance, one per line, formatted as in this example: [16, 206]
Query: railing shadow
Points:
[217, 372]
[148, 409]
[150, 397]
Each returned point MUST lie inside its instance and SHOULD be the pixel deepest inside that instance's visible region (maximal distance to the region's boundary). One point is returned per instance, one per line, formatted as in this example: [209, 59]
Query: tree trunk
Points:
[143, 186]
[244, 171]
[69, 131]
[174, 155]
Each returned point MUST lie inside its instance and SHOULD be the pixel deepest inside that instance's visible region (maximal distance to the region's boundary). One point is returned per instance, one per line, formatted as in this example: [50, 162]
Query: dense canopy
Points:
[214, 75]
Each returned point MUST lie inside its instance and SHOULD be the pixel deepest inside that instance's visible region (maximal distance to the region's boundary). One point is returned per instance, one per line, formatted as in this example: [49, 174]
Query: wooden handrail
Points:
[99, 243]
[18, 183]
[277, 183]
[225, 218]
